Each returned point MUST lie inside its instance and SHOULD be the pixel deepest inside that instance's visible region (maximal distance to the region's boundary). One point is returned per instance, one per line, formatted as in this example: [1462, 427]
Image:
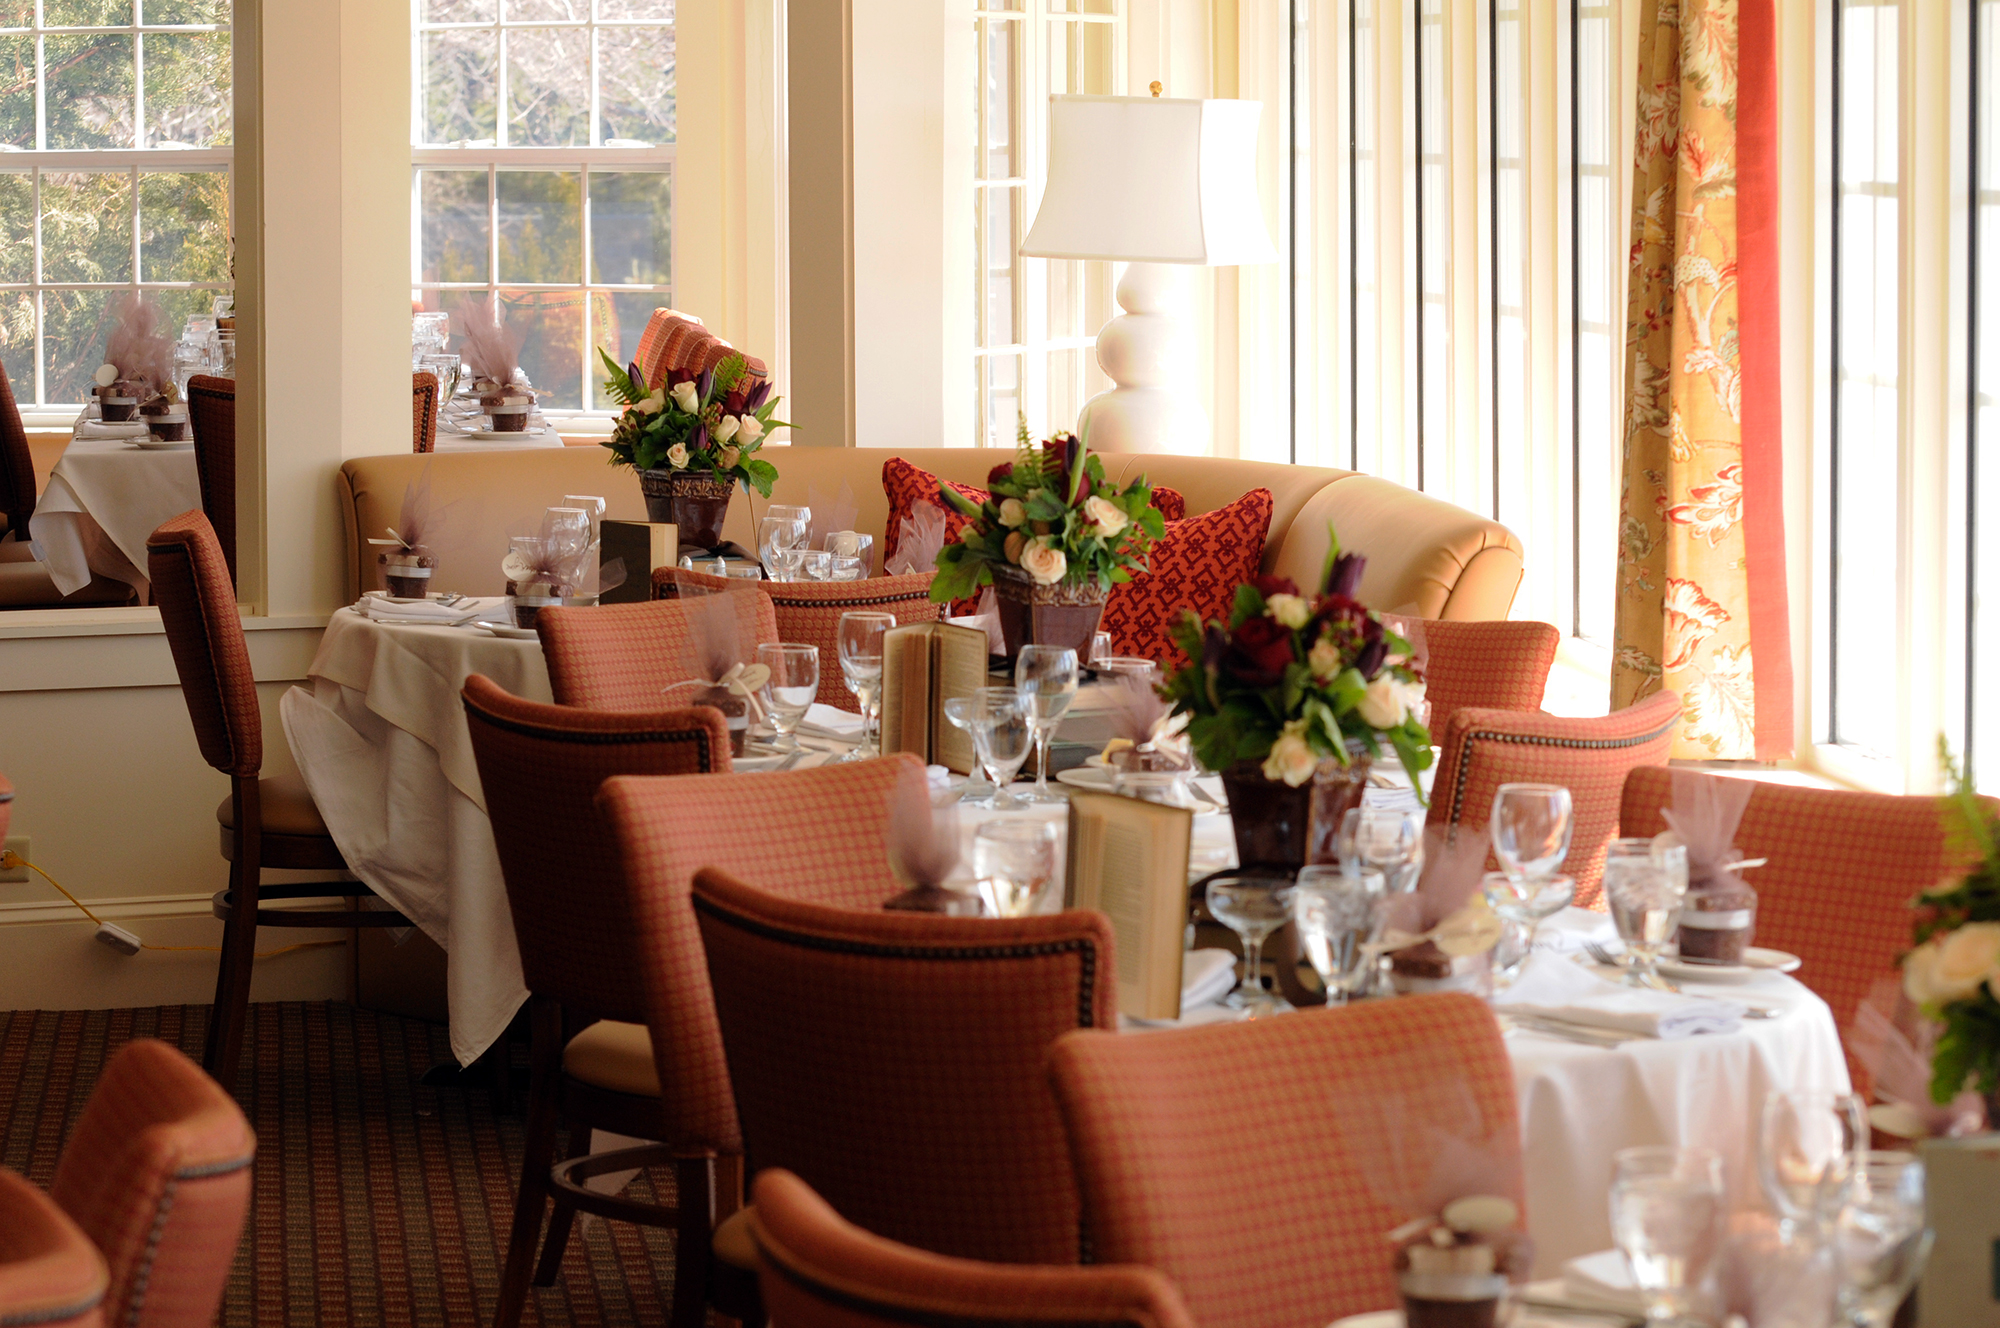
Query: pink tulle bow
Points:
[1706, 811]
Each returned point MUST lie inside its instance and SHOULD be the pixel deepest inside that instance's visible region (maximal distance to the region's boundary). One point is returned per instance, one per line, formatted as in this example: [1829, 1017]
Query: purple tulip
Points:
[637, 379]
[1345, 576]
[705, 384]
[698, 440]
[1369, 662]
[758, 395]
[1214, 645]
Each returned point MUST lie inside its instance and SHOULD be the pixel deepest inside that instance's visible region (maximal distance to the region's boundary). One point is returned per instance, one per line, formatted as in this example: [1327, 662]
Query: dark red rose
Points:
[1258, 652]
[1000, 473]
[1268, 586]
[733, 403]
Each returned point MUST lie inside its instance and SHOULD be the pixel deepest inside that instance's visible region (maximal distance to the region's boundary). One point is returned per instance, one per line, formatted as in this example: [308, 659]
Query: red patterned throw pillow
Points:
[906, 485]
[1197, 566]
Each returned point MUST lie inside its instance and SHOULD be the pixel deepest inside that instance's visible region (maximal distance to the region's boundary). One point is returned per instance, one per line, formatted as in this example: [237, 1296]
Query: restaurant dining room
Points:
[1085, 663]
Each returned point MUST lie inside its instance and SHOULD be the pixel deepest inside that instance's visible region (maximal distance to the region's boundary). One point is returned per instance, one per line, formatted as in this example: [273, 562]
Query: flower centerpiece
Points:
[692, 439]
[1052, 538]
[1291, 701]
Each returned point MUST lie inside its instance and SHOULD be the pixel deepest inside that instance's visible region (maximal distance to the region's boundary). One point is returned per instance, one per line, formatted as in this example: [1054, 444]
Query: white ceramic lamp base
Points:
[1147, 351]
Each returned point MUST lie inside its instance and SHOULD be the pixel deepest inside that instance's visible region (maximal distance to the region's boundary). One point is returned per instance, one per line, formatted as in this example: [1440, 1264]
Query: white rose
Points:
[677, 456]
[725, 428]
[653, 403]
[1292, 759]
[727, 457]
[1382, 704]
[1290, 610]
[1324, 660]
[1044, 562]
[752, 430]
[687, 398]
[1012, 512]
[1107, 516]
[1951, 967]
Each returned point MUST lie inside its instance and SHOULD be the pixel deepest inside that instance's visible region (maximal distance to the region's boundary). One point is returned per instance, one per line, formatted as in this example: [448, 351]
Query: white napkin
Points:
[1567, 932]
[1602, 1281]
[1206, 977]
[123, 429]
[987, 620]
[427, 611]
[825, 721]
[1557, 988]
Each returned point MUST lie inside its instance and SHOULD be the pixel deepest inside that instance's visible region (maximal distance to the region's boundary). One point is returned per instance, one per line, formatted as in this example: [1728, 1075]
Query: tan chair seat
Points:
[732, 1242]
[615, 1056]
[287, 806]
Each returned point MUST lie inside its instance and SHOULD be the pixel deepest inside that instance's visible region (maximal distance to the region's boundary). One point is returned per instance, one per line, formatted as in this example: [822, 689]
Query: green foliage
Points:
[654, 424]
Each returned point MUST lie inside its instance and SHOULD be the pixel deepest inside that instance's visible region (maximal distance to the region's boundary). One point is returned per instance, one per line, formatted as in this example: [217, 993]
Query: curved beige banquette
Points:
[1425, 556]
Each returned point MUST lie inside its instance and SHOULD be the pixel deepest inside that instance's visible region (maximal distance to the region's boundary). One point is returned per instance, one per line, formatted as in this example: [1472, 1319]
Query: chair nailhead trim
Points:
[1536, 740]
[901, 597]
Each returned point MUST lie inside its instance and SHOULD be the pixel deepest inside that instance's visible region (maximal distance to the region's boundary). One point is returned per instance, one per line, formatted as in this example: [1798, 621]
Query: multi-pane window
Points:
[114, 176]
[543, 135]
[1036, 319]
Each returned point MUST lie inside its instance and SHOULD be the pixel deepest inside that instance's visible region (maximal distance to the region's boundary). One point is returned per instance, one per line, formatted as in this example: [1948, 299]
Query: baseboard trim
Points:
[131, 907]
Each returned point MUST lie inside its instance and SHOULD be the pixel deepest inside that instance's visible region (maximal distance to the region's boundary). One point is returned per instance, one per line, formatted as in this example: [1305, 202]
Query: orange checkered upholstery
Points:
[1482, 749]
[811, 834]
[197, 598]
[908, 1088]
[1497, 665]
[1248, 1162]
[624, 656]
[157, 1173]
[677, 341]
[819, 1271]
[423, 412]
[1843, 869]
[540, 767]
[50, 1273]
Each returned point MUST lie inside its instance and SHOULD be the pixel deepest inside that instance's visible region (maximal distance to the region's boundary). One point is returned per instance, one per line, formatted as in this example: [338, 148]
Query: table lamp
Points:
[1160, 184]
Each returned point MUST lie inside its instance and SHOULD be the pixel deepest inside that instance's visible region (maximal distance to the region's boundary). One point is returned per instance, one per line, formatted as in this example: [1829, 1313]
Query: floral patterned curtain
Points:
[1701, 570]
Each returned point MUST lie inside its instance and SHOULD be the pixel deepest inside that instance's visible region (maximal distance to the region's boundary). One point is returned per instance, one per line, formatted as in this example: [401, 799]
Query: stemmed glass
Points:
[1389, 840]
[1808, 1142]
[1047, 678]
[1666, 1217]
[1253, 907]
[1334, 909]
[1002, 735]
[861, 669]
[1013, 863]
[1644, 886]
[979, 790]
[1527, 901]
[1880, 1241]
[781, 537]
[793, 684]
[1531, 827]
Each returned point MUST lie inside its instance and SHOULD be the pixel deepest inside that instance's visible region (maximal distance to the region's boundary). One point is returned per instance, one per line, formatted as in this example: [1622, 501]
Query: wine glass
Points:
[793, 684]
[1644, 894]
[1013, 863]
[1807, 1145]
[1334, 909]
[1387, 839]
[1880, 1241]
[979, 790]
[861, 669]
[1531, 826]
[779, 537]
[1253, 907]
[1526, 901]
[1135, 667]
[1101, 648]
[1666, 1217]
[1047, 678]
[1002, 735]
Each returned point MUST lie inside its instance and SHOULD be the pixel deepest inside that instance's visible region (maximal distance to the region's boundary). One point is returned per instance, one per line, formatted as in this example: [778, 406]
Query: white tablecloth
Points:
[382, 743]
[103, 500]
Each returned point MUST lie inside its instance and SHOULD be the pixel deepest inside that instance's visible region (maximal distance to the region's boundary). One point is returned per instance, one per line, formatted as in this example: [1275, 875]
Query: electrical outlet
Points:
[16, 844]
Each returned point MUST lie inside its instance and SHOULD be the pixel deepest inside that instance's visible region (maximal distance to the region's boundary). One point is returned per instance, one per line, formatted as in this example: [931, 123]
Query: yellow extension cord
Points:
[10, 859]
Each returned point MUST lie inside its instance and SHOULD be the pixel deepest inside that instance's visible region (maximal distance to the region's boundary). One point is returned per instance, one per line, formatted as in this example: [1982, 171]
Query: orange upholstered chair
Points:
[423, 412]
[667, 829]
[540, 767]
[894, 1090]
[1199, 1156]
[678, 342]
[1482, 749]
[212, 421]
[50, 1273]
[24, 582]
[808, 612]
[157, 1173]
[1498, 665]
[624, 656]
[1843, 868]
[820, 1271]
[265, 822]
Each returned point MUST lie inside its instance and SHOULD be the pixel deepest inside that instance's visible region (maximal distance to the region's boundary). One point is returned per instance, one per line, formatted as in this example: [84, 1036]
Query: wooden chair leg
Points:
[556, 1243]
[231, 1012]
[695, 1196]
[545, 1078]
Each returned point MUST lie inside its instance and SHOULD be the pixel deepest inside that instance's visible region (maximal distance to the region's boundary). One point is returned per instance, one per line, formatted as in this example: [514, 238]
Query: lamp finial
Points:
[1157, 87]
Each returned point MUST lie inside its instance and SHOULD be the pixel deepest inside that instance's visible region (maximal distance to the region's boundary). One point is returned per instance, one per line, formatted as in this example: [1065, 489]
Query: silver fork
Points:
[1602, 954]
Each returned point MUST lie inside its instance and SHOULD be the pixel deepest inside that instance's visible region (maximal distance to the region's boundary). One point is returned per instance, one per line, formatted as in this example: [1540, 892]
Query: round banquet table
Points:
[104, 499]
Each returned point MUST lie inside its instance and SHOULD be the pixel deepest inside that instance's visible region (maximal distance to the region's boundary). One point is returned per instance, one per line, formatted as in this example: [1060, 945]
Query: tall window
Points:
[543, 135]
[1596, 317]
[1982, 705]
[1037, 318]
[114, 176]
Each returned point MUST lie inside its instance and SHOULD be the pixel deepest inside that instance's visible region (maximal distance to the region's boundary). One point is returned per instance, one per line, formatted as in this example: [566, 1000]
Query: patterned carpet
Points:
[377, 1200]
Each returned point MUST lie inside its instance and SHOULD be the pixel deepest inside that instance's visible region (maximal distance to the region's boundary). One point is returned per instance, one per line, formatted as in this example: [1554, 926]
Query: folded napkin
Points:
[427, 611]
[1602, 1281]
[825, 721]
[1570, 930]
[1554, 987]
[1206, 977]
[985, 618]
[100, 429]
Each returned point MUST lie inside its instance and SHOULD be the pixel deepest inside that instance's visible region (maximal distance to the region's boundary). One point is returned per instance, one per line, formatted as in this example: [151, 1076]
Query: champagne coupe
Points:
[793, 684]
[1808, 1143]
[1002, 735]
[1880, 1241]
[1387, 839]
[861, 669]
[1253, 907]
[979, 790]
[1531, 827]
[1667, 1217]
[1335, 911]
[1013, 863]
[1526, 901]
[1047, 677]
[1644, 891]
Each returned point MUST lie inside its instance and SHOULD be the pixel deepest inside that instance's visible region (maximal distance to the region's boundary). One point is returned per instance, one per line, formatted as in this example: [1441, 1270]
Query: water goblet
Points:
[1644, 895]
[1387, 839]
[979, 791]
[1013, 864]
[1666, 1217]
[1127, 666]
[777, 546]
[851, 544]
[1880, 1241]
[1047, 677]
[860, 635]
[1101, 648]
[1253, 907]
[1531, 826]
[841, 567]
[813, 564]
[1526, 901]
[1335, 911]
[1808, 1143]
[789, 692]
[1002, 735]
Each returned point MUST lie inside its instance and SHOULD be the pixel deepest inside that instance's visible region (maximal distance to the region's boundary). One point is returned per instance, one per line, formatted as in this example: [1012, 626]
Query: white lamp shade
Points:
[1147, 179]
